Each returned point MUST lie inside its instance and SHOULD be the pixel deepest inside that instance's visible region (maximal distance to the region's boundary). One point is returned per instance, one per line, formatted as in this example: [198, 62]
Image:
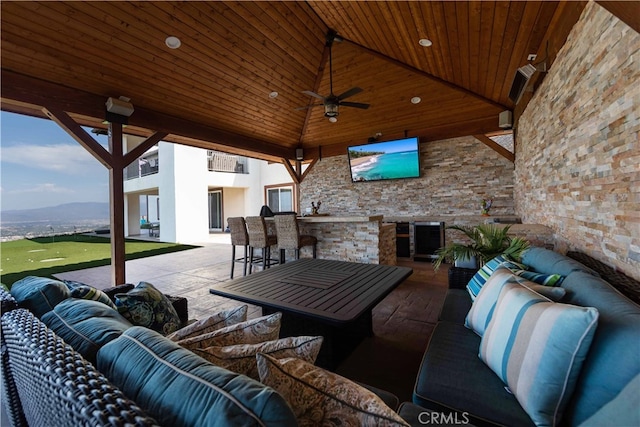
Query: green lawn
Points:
[45, 256]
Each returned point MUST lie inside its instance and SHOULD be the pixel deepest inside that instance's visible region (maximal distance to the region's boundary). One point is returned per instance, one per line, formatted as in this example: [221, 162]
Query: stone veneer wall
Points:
[367, 242]
[456, 174]
[578, 146]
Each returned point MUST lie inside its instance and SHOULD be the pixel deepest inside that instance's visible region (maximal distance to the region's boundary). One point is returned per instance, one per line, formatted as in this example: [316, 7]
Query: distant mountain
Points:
[61, 213]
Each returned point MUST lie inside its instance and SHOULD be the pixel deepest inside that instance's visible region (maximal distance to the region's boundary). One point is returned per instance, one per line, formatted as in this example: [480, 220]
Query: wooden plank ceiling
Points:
[214, 90]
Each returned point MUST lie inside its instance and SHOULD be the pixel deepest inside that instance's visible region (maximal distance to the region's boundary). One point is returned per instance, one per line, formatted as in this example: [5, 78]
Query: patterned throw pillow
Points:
[254, 331]
[540, 278]
[241, 358]
[212, 323]
[480, 278]
[482, 309]
[537, 348]
[319, 397]
[146, 306]
[83, 291]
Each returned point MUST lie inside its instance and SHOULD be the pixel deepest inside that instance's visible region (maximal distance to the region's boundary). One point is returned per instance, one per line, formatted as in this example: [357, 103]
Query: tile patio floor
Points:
[402, 322]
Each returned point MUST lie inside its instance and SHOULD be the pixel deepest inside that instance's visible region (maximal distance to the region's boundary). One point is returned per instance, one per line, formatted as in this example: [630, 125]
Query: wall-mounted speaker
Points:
[520, 80]
[505, 119]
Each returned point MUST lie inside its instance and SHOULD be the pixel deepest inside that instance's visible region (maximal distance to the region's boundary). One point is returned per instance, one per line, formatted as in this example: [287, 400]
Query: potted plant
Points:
[487, 242]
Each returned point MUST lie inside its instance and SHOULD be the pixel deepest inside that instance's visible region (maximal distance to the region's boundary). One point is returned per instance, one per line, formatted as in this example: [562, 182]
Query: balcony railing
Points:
[145, 165]
[223, 162]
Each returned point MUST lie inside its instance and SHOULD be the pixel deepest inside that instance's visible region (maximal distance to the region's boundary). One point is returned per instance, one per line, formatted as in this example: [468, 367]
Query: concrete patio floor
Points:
[188, 274]
[402, 322]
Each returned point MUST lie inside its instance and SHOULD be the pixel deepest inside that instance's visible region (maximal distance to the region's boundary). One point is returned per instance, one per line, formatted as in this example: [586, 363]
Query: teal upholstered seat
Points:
[180, 388]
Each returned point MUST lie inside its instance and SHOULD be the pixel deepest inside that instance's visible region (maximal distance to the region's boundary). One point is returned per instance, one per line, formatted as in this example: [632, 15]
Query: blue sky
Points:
[41, 165]
[408, 144]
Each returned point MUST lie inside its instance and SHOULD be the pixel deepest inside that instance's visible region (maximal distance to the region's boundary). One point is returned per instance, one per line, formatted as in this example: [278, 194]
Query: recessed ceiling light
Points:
[416, 100]
[172, 42]
[273, 94]
[333, 119]
[425, 42]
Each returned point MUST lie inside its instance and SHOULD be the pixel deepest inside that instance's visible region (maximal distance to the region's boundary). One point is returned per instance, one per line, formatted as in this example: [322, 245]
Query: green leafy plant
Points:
[487, 242]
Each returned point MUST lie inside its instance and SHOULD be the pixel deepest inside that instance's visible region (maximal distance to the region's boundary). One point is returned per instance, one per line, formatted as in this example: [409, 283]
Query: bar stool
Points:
[239, 237]
[289, 236]
[259, 238]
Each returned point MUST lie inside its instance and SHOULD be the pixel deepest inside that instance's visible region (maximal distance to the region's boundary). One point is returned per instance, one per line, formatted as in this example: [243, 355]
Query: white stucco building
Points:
[192, 191]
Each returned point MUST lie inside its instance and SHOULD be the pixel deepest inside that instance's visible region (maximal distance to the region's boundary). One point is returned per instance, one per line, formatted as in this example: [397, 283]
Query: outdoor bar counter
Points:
[363, 239]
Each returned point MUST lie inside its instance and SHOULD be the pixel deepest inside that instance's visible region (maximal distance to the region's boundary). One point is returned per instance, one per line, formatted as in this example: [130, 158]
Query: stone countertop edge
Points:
[334, 219]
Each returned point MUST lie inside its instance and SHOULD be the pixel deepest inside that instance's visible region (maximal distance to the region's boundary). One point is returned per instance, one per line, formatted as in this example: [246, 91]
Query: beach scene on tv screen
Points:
[385, 160]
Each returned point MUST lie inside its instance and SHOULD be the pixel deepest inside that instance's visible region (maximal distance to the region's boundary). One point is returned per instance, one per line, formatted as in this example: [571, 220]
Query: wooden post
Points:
[116, 194]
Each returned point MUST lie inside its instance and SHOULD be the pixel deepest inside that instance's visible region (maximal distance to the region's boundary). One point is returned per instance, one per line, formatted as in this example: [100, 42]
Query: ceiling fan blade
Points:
[307, 107]
[354, 104]
[350, 92]
[308, 92]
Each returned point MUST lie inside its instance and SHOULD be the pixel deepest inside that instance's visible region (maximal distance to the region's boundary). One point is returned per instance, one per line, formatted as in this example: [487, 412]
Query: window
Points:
[280, 199]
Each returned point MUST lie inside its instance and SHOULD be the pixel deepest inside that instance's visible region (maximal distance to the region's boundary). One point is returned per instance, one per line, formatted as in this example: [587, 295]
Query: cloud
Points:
[44, 188]
[70, 159]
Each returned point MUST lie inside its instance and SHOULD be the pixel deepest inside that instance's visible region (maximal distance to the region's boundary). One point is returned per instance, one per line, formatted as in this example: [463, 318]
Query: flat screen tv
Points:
[377, 161]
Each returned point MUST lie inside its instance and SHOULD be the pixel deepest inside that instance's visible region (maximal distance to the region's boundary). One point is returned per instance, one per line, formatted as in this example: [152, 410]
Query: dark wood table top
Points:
[334, 291]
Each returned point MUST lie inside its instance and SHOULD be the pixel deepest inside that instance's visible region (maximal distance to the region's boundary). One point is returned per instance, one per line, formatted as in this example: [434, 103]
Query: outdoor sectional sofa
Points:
[453, 377]
[118, 374]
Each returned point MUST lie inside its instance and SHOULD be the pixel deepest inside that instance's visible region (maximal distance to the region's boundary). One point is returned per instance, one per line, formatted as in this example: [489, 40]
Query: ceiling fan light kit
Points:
[331, 110]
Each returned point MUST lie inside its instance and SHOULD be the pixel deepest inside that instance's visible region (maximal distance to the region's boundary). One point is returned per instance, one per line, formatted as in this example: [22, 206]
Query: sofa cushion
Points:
[84, 291]
[39, 294]
[319, 397]
[179, 388]
[621, 411]
[547, 261]
[537, 348]
[457, 304]
[146, 306]
[253, 331]
[211, 323]
[480, 278]
[86, 325]
[453, 378]
[482, 309]
[241, 358]
[611, 363]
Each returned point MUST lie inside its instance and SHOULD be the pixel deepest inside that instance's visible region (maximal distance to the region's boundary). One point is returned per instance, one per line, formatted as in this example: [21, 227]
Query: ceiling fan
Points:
[332, 102]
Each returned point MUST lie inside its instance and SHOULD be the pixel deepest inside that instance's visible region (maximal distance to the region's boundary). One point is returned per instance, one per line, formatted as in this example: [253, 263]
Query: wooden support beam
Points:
[80, 135]
[496, 147]
[294, 175]
[36, 92]
[306, 171]
[116, 205]
[143, 147]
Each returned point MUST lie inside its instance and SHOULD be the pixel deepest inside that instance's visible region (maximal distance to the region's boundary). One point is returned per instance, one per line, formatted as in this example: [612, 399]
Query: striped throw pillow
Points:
[480, 278]
[482, 309]
[540, 278]
[537, 348]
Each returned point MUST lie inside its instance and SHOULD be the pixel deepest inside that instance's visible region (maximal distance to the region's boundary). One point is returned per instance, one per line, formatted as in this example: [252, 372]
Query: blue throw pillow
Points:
[85, 325]
[484, 305]
[540, 278]
[480, 278]
[178, 388]
[39, 294]
[537, 348]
